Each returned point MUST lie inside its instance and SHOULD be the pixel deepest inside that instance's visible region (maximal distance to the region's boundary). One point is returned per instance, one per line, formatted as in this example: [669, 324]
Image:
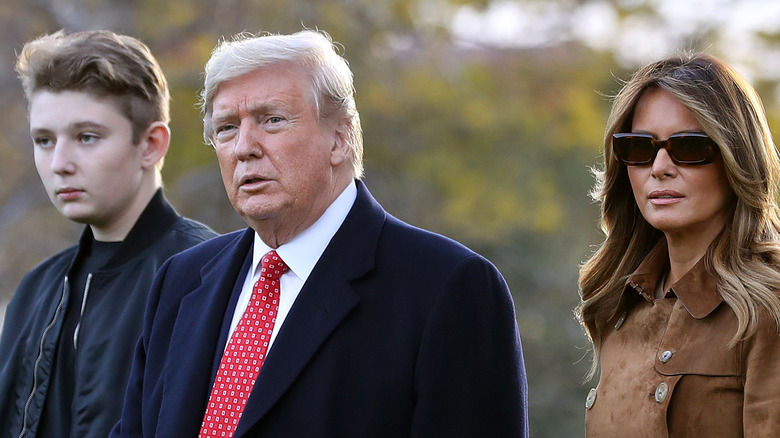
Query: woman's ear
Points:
[155, 142]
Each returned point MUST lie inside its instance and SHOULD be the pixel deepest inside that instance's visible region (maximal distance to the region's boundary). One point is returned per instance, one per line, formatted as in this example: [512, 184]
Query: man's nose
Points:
[249, 142]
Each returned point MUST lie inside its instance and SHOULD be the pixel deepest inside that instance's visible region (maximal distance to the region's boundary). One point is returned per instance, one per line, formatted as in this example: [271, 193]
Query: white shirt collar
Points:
[304, 250]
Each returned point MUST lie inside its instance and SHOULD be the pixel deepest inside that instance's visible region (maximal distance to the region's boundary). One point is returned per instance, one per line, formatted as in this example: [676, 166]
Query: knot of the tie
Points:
[272, 266]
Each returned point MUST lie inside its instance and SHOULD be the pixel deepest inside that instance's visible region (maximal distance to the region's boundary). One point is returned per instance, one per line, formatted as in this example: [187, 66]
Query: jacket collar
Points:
[697, 289]
[155, 220]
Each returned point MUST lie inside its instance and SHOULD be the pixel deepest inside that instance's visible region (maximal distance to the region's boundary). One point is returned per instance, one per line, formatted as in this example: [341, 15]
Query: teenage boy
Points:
[98, 110]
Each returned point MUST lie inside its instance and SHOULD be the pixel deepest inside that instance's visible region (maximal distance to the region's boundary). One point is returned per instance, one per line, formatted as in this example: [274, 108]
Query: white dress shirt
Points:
[300, 255]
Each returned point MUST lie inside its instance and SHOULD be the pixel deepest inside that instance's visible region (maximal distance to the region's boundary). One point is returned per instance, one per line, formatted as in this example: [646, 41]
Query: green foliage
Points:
[486, 134]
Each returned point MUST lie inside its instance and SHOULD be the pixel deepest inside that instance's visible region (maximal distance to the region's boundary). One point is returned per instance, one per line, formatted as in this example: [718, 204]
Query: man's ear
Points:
[155, 142]
[341, 151]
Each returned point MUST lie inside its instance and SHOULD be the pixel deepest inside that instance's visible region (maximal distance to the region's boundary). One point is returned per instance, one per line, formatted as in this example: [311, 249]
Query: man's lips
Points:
[252, 181]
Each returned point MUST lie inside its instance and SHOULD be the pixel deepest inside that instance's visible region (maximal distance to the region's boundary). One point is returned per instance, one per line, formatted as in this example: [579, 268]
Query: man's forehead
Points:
[259, 99]
[252, 105]
[264, 81]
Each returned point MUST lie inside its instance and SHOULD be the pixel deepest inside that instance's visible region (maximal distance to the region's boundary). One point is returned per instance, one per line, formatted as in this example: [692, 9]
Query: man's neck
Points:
[276, 233]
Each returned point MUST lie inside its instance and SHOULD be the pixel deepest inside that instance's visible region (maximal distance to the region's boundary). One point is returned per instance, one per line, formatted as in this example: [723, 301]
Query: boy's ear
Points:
[155, 142]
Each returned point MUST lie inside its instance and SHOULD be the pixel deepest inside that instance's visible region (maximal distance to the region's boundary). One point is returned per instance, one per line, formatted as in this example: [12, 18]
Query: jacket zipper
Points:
[40, 356]
[81, 313]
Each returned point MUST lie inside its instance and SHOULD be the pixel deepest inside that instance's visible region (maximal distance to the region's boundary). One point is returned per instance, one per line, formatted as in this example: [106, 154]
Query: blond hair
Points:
[745, 256]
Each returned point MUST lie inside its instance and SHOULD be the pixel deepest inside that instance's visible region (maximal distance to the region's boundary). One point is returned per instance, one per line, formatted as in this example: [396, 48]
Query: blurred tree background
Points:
[481, 121]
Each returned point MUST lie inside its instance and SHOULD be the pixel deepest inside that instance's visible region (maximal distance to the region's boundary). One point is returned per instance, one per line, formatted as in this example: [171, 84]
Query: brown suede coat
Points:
[666, 369]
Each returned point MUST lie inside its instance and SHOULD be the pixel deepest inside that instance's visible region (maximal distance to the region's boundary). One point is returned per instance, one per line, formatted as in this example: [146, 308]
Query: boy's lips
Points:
[68, 193]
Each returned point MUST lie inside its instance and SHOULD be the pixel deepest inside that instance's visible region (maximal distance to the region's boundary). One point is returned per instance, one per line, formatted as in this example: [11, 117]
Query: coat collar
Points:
[195, 336]
[697, 289]
[325, 300]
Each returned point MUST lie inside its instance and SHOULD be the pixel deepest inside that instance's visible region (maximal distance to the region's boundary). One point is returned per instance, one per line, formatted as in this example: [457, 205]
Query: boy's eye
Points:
[88, 138]
[43, 142]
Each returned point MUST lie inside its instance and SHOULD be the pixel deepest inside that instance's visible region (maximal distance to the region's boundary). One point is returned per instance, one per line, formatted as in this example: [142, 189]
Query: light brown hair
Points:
[745, 256]
[104, 64]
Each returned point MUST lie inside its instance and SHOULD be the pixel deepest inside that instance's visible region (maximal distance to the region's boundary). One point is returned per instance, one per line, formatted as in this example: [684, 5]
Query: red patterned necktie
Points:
[244, 355]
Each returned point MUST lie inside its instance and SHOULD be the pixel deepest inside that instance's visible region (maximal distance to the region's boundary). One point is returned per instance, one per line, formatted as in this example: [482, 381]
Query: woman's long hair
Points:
[745, 256]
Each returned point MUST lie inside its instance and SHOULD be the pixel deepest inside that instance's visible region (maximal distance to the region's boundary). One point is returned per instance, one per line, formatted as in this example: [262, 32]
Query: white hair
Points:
[314, 51]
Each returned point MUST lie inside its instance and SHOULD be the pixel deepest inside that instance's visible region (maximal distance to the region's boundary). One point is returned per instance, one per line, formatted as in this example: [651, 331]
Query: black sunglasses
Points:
[640, 149]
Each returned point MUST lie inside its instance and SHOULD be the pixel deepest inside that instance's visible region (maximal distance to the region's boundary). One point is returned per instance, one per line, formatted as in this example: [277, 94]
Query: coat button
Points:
[661, 392]
[665, 356]
[591, 398]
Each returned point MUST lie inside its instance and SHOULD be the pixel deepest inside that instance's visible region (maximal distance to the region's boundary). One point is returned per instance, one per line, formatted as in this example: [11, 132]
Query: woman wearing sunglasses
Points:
[680, 301]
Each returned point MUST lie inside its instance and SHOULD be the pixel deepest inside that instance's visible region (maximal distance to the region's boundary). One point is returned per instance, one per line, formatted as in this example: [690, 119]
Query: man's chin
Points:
[256, 218]
[257, 209]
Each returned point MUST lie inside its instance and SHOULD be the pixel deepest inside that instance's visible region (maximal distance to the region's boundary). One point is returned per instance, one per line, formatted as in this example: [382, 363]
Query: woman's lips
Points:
[664, 197]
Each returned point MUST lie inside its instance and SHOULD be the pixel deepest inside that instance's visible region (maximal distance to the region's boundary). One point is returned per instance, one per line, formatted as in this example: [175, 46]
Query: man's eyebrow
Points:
[272, 105]
[266, 106]
[220, 117]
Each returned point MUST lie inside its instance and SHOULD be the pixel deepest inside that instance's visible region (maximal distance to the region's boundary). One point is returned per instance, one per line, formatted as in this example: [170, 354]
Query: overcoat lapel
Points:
[195, 338]
[324, 301]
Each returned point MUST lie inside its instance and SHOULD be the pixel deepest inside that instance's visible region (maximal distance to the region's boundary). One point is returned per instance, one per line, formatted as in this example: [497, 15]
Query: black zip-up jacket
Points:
[108, 328]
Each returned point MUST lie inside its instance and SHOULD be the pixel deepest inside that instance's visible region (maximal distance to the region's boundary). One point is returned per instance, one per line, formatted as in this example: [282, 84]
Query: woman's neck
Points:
[685, 250]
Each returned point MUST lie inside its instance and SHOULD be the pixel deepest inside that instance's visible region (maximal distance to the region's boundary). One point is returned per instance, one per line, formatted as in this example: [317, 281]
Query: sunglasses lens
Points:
[692, 149]
[640, 150]
[633, 150]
